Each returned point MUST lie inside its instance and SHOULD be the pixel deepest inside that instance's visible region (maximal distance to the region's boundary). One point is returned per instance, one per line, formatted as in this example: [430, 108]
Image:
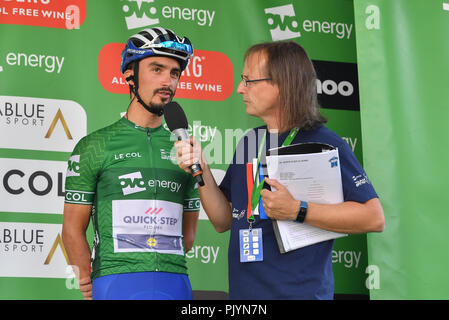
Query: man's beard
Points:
[157, 105]
[161, 105]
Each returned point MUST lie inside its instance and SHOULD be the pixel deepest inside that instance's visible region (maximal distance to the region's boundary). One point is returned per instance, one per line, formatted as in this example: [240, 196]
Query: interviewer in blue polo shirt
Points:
[279, 86]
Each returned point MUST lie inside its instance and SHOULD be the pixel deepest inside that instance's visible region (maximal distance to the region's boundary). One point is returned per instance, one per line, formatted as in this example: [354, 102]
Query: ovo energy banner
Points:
[60, 80]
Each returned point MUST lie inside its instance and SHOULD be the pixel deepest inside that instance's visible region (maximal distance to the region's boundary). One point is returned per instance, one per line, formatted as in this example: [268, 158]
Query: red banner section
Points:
[63, 14]
[209, 75]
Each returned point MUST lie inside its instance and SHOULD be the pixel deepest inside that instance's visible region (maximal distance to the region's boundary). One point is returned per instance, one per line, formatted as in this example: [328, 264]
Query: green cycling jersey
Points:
[138, 196]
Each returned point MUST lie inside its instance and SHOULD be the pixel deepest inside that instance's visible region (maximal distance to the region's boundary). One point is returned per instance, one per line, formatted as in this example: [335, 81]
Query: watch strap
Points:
[302, 212]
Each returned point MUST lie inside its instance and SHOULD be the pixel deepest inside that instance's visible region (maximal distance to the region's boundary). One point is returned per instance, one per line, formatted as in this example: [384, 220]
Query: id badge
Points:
[251, 245]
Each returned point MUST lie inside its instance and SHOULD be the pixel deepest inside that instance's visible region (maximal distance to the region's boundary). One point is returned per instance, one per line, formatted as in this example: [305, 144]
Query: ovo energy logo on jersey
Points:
[132, 183]
[283, 21]
[73, 169]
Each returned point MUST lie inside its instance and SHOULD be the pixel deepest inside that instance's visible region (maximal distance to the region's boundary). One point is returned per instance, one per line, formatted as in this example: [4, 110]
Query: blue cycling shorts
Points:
[142, 286]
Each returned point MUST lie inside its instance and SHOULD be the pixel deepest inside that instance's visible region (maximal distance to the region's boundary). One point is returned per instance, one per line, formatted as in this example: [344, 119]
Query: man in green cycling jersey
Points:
[144, 208]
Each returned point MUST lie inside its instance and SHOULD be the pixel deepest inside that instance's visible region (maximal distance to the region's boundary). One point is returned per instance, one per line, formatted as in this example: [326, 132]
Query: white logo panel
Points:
[35, 186]
[41, 124]
[139, 222]
[32, 250]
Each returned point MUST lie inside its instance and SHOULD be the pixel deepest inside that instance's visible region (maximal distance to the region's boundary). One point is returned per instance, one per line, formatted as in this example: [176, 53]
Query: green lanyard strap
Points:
[255, 195]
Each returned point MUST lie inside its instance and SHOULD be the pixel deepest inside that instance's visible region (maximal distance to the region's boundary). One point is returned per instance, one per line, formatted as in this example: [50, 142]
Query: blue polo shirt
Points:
[304, 273]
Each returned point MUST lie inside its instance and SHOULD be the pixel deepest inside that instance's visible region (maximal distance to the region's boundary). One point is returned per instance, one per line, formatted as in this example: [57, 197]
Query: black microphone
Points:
[177, 123]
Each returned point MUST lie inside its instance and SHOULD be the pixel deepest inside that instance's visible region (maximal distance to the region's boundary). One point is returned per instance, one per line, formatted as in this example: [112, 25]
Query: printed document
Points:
[312, 177]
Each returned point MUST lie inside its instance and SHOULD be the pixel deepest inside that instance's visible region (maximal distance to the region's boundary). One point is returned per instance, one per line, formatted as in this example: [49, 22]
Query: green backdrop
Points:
[403, 50]
[60, 80]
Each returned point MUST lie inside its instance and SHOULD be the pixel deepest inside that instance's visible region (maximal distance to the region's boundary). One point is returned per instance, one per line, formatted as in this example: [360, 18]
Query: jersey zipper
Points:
[153, 169]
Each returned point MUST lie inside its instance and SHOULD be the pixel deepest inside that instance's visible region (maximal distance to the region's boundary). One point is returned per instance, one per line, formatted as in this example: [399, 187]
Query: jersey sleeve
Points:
[82, 172]
[192, 198]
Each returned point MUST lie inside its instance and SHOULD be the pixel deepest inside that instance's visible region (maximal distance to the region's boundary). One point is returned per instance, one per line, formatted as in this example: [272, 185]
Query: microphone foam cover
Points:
[175, 116]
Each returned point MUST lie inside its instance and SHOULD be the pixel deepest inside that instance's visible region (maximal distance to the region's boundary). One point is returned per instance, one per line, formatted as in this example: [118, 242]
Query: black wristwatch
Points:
[302, 212]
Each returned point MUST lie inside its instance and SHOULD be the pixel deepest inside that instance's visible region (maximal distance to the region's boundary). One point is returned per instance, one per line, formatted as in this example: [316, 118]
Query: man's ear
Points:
[129, 76]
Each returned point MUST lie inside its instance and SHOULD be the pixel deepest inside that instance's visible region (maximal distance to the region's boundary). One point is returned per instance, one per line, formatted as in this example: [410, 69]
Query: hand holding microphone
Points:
[177, 123]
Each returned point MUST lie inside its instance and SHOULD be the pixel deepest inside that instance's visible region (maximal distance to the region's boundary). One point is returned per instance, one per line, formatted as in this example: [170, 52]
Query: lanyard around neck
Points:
[255, 195]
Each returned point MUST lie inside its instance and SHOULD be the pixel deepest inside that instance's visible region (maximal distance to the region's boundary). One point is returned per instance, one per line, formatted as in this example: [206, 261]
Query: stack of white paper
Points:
[312, 177]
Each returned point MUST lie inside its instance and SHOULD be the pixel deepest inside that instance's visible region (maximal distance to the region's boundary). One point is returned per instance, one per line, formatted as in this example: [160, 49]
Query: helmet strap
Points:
[135, 89]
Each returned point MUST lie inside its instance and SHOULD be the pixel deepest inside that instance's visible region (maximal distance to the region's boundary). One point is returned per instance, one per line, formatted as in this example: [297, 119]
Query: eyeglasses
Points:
[246, 81]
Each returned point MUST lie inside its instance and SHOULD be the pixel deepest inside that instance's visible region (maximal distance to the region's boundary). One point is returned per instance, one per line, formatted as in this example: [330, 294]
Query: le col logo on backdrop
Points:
[208, 76]
[143, 13]
[64, 14]
[285, 25]
[32, 185]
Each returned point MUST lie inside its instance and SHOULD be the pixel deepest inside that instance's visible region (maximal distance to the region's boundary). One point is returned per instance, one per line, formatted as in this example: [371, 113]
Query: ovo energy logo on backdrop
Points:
[283, 21]
[285, 25]
[37, 61]
[139, 13]
[63, 14]
[208, 76]
[143, 13]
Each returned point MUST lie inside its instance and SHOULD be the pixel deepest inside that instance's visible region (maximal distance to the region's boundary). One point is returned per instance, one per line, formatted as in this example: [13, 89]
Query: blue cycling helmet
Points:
[156, 41]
